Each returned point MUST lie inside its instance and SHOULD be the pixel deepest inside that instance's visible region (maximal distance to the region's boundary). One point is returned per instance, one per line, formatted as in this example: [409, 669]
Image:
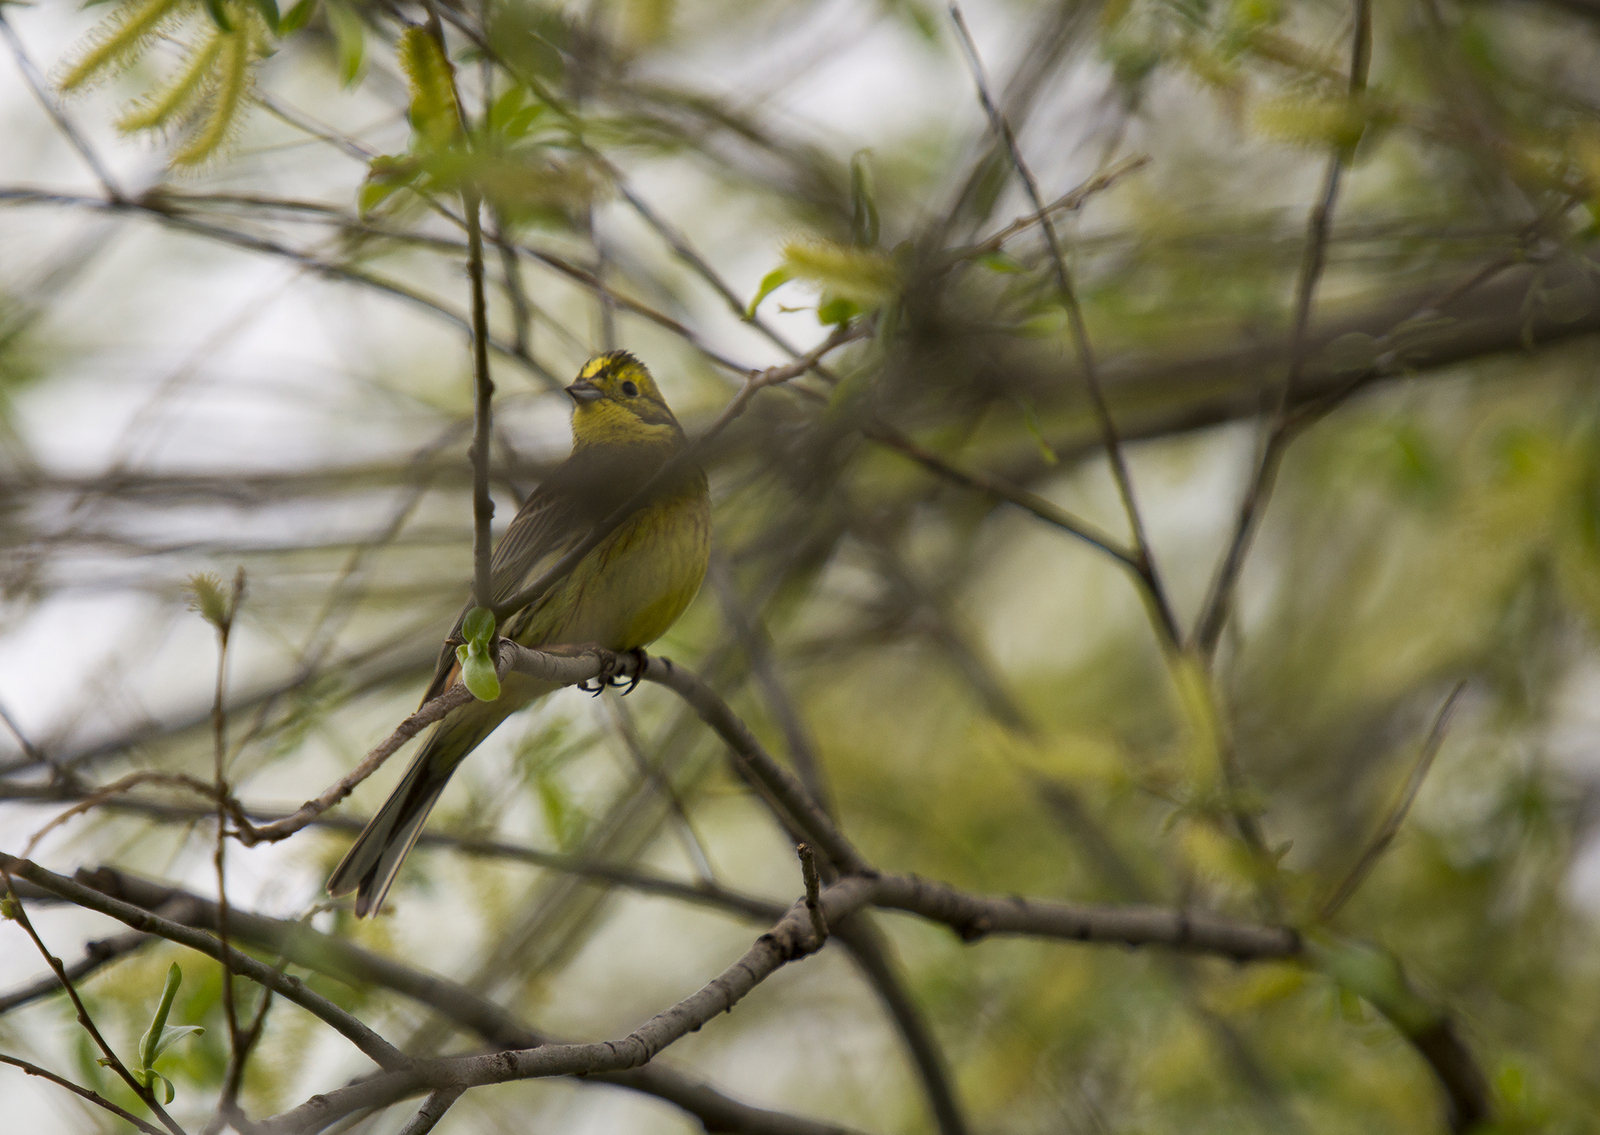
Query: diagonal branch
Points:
[1144, 563]
[1219, 597]
[93, 1097]
[382, 1053]
[346, 962]
[146, 1095]
[1397, 814]
[790, 940]
[41, 92]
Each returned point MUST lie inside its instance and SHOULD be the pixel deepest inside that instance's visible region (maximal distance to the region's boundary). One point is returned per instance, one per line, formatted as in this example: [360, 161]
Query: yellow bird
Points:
[623, 595]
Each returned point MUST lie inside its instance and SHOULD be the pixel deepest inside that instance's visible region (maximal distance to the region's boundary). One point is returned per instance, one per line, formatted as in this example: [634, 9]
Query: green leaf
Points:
[349, 37]
[176, 1033]
[434, 115]
[218, 11]
[479, 626]
[770, 283]
[269, 13]
[863, 209]
[835, 310]
[171, 1094]
[150, 1043]
[478, 673]
[1376, 976]
[297, 17]
[999, 261]
[476, 655]
[375, 193]
[864, 276]
[1030, 418]
[206, 596]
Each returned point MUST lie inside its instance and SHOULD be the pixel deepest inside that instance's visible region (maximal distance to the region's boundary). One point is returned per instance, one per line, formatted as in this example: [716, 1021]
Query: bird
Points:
[623, 595]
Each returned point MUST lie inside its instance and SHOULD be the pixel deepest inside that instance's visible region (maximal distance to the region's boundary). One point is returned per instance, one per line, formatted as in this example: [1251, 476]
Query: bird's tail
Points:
[373, 861]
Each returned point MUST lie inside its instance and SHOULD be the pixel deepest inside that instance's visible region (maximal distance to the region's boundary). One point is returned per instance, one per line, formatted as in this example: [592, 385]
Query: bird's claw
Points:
[614, 671]
[640, 661]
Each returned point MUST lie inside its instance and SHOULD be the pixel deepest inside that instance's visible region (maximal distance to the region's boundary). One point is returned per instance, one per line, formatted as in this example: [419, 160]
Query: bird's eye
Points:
[629, 389]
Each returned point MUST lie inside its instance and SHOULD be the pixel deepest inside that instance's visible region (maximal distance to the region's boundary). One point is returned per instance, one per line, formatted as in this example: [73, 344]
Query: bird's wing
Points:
[575, 496]
[548, 523]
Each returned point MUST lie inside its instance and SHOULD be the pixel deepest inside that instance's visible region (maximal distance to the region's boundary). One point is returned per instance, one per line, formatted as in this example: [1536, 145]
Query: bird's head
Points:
[618, 403]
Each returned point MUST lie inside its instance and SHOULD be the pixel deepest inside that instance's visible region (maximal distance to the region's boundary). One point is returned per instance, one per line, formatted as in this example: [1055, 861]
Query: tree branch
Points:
[1219, 597]
[1144, 563]
[343, 961]
[1390, 827]
[789, 940]
[93, 1097]
[379, 1050]
[146, 1095]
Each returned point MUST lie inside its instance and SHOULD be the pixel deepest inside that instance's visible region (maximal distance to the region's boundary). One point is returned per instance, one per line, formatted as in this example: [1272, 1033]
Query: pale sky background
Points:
[275, 370]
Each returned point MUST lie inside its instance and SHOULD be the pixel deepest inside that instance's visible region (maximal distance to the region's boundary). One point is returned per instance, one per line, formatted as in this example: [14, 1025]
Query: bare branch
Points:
[112, 1060]
[977, 916]
[788, 941]
[813, 883]
[346, 962]
[1219, 598]
[1390, 827]
[93, 1097]
[1144, 563]
[431, 1111]
[433, 710]
[41, 91]
[382, 1053]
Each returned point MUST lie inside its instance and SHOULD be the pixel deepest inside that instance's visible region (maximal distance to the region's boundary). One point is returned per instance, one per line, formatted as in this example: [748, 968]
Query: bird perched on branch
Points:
[623, 595]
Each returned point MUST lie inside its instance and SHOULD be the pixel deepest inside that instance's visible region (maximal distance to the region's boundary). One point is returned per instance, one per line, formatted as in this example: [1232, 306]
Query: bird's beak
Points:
[584, 391]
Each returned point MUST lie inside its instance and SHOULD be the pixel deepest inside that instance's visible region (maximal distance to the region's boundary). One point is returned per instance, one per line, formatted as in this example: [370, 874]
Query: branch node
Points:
[813, 881]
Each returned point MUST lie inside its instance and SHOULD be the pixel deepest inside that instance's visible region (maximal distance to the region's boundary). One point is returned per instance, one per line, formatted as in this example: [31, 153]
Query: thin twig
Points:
[20, 914]
[789, 940]
[1390, 827]
[574, 665]
[92, 1097]
[431, 1111]
[219, 741]
[1218, 604]
[813, 884]
[345, 962]
[1144, 562]
[1070, 201]
[887, 435]
[41, 91]
[380, 1051]
[112, 791]
[96, 955]
[482, 413]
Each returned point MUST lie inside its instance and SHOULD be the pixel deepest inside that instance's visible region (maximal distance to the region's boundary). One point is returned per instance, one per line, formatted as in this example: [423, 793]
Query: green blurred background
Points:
[253, 355]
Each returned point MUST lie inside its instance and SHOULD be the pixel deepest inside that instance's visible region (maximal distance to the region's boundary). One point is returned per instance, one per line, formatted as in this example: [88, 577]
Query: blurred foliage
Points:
[986, 698]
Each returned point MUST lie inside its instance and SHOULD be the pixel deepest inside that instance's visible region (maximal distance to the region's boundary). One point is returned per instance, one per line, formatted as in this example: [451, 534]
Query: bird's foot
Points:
[618, 668]
[633, 670]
